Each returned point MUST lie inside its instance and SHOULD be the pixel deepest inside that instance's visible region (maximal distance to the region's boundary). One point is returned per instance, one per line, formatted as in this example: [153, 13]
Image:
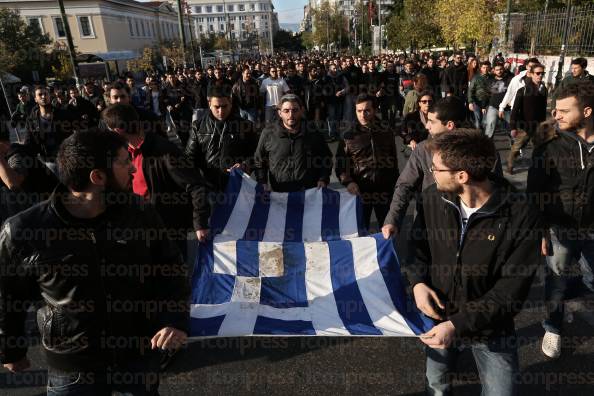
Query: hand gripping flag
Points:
[297, 264]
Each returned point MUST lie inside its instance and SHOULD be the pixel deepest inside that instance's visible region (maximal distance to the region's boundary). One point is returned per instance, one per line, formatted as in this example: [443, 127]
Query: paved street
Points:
[323, 365]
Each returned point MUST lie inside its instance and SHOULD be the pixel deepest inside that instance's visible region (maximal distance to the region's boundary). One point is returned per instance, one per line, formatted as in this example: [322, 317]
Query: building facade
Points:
[237, 19]
[347, 8]
[104, 28]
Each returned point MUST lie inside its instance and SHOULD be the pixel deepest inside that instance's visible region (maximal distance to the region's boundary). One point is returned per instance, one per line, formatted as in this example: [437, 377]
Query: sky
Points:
[289, 11]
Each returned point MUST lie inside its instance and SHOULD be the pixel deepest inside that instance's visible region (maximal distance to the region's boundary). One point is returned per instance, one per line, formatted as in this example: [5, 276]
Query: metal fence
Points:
[542, 33]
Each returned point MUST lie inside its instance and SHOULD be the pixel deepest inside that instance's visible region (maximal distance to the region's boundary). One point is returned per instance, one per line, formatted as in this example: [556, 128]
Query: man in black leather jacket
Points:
[106, 271]
[221, 140]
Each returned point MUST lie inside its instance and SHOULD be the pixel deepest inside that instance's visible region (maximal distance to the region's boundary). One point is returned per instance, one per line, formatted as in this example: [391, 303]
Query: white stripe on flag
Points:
[240, 319]
[240, 216]
[299, 313]
[318, 285]
[204, 311]
[277, 217]
[312, 215]
[374, 291]
[224, 251]
[347, 218]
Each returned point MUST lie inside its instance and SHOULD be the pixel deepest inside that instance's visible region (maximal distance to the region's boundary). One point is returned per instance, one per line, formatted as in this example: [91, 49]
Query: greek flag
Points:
[297, 264]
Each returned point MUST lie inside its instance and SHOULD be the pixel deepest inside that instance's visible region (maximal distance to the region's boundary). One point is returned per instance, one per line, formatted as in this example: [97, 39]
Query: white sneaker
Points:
[551, 345]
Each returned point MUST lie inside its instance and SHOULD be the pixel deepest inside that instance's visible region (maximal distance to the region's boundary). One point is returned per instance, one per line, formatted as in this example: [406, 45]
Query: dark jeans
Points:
[138, 379]
[335, 113]
[378, 202]
[496, 360]
[570, 274]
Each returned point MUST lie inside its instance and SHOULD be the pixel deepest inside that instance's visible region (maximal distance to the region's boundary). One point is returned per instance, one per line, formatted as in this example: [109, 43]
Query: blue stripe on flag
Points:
[390, 269]
[294, 222]
[203, 327]
[266, 325]
[247, 258]
[351, 308]
[223, 209]
[330, 215]
[287, 291]
[257, 225]
[209, 288]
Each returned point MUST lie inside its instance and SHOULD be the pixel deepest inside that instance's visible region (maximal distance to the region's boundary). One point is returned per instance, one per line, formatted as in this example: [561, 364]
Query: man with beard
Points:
[454, 79]
[392, 101]
[561, 182]
[92, 343]
[291, 156]
[366, 162]
[163, 176]
[246, 94]
[82, 110]
[335, 87]
[48, 127]
[477, 244]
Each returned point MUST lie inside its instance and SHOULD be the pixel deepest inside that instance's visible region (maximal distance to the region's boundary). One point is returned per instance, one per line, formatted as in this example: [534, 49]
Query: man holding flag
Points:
[477, 245]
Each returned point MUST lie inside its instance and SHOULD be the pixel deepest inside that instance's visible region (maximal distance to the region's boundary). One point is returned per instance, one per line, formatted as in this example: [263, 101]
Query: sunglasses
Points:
[425, 101]
[539, 73]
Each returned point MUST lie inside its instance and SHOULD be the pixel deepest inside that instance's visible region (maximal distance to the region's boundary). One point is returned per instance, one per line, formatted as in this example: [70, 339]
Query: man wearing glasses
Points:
[477, 246]
[529, 110]
[273, 88]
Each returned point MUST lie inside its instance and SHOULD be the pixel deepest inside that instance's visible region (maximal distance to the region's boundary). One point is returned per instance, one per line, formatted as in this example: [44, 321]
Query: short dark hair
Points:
[122, 116]
[118, 85]
[532, 60]
[582, 91]
[464, 149]
[450, 109]
[83, 152]
[219, 91]
[485, 63]
[425, 93]
[583, 62]
[362, 98]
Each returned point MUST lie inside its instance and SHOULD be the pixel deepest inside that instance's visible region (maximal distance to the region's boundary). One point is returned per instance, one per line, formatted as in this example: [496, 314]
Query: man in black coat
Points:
[292, 154]
[454, 80]
[530, 109]
[163, 177]
[221, 140]
[561, 181]
[106, 271]
[477, 245]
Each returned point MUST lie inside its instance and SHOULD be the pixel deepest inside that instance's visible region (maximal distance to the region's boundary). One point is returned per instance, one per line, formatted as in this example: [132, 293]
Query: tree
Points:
[329, 26]
[413, 24]
[464, 22]
[23, 47]
[222, 43]
[144, 64]
[285, 40]
[63, 69]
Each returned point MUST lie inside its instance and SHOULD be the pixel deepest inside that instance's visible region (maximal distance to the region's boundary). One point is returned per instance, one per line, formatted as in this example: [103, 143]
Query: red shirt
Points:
[139, 185]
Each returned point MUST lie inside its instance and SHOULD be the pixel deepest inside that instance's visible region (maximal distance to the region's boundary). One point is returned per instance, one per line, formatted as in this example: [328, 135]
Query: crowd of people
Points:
[105, 184]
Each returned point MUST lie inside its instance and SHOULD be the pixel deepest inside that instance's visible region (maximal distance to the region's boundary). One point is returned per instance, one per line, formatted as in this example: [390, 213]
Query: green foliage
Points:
[462, 22]
[22, 47]
[144, 63]
[413, 24]
[63, 69]
[286, 41]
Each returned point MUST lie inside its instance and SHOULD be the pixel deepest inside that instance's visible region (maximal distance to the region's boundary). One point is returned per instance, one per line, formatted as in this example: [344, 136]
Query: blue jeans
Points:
[137, 379]
[478, 117]
[248, 114]
[492, 119]
[496, 360]
[270, 114]
[572, 258]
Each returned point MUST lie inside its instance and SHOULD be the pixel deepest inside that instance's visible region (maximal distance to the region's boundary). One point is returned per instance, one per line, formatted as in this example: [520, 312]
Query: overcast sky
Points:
[289, 11]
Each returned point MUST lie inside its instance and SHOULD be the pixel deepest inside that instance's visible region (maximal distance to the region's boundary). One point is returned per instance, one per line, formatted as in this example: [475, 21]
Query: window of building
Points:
[232, 26]
[241, 7]
[252, 7]
[211, 28]
[243, 26]
[233, 36]
[231, 8]
[130, 27]
[198, 10]
[142, 28]
[219, 8]
[85, 27]
[208, 8]
[59, 25]
[36, 22]
[244, 35]
[222, 27]
[200, 28]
